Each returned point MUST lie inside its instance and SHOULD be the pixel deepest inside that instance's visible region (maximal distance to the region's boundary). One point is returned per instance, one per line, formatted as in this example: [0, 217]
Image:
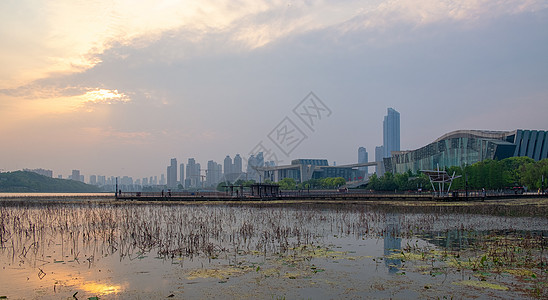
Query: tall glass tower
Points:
[391, 132]
[362, 158]
[172, 174]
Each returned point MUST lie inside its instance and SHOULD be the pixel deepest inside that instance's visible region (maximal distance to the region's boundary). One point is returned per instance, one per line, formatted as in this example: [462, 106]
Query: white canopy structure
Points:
[441, 178]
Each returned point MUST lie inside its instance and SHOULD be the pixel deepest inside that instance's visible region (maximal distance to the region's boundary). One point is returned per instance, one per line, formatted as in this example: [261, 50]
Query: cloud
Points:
[215, 79]
[420, 13]
[69, 36]
[104, 96]
[124, 137]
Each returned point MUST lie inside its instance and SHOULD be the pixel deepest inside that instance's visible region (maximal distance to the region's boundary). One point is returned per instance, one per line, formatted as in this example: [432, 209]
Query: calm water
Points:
[53, 195]
[83, 250]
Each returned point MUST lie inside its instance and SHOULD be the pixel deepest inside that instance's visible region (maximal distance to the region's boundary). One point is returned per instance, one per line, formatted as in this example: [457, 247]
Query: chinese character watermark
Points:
[287, 135]
[311, 109]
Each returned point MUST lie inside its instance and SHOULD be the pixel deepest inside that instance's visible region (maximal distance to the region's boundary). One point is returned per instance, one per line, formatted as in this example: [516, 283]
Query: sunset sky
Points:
[120, 87]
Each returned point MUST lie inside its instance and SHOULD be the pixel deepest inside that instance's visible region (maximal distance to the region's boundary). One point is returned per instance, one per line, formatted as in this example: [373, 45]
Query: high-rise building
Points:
[93, 180]
[391, 132]
[379, 154]
[254, 162]
[193, 173]
[172, 174]
[75, 175]
[162, 179]
[182, 174]
[228, 165]
[237, 167]
[126, 181]
[363, 158]
[214, 173]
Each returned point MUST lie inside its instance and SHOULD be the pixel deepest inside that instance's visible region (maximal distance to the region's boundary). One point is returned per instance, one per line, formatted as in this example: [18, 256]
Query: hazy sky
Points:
[120, 87]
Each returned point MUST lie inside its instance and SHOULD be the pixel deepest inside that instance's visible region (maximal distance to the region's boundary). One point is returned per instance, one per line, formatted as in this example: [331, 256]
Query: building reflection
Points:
[392, 242]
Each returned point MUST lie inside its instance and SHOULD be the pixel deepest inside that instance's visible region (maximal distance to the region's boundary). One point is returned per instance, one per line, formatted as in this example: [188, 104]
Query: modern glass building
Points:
[363, 158]
[391, 132]
[305, 169]
[466, 147]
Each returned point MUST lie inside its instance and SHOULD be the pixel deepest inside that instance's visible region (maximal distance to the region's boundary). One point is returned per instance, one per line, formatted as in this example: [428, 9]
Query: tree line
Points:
[489, 174]
[29, 182]
[291, 184]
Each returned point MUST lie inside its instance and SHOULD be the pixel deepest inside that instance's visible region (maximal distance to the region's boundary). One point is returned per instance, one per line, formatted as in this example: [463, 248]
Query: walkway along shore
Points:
[323, 195]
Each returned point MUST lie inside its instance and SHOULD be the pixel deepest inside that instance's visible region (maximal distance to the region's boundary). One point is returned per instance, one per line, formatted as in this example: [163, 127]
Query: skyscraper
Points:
[193, 173]
[391, 132]
[254, 162]
[162, 179]
[75, 175]
[93, 179]
[172, 174]
[363, 158]
[228, 165]
[379, 154]
[237, 167]
[214, 173]
[182, 174]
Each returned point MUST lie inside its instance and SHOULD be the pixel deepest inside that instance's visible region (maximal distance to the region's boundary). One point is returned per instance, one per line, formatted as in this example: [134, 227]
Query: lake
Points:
[112, 250]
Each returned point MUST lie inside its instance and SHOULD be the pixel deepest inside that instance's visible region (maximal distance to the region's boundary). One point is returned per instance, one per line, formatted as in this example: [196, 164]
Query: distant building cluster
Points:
[457, 148]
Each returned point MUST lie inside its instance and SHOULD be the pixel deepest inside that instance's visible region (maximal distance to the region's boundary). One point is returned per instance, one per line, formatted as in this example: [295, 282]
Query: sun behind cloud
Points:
[104, 96]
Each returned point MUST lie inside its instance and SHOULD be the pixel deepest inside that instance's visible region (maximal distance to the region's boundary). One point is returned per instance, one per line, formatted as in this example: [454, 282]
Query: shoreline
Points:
[539, 202]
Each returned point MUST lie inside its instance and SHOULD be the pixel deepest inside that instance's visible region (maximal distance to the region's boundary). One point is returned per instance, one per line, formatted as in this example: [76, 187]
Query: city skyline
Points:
[111, 87]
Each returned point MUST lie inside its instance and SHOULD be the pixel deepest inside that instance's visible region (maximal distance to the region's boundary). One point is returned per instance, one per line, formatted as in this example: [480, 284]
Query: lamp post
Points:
[466, 184]
[542, 184]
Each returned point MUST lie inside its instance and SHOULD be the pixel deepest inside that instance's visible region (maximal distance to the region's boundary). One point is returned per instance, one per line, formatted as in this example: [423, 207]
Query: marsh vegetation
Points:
[113, 250]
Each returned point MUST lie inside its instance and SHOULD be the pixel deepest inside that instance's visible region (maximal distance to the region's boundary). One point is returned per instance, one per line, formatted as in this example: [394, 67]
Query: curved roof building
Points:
[466, 147]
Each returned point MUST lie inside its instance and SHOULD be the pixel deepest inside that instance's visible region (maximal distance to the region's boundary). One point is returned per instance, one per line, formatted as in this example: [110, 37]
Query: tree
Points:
[338, 182]
[246, 183]
[374, 182]
[532, 173]
[221, 187]
[287, 184]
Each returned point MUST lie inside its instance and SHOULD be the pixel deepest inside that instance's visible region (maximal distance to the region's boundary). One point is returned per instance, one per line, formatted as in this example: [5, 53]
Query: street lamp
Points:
[466, 184]
[542, 184]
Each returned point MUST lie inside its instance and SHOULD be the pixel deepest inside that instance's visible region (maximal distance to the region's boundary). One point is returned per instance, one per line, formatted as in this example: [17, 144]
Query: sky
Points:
[120, 87]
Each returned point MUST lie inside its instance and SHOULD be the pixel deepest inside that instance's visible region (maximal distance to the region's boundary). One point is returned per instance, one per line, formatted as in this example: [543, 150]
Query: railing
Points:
[323, 194]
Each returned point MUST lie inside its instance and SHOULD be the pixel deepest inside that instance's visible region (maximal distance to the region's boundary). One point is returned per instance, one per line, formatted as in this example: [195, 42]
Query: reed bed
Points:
[484, 241]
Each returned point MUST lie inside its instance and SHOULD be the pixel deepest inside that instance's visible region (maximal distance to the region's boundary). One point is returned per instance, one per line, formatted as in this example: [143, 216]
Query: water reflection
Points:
[459, 240]
[154, 245]
[392, 242]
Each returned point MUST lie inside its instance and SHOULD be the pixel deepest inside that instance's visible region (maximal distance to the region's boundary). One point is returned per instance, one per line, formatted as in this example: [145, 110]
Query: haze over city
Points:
[119, 88]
